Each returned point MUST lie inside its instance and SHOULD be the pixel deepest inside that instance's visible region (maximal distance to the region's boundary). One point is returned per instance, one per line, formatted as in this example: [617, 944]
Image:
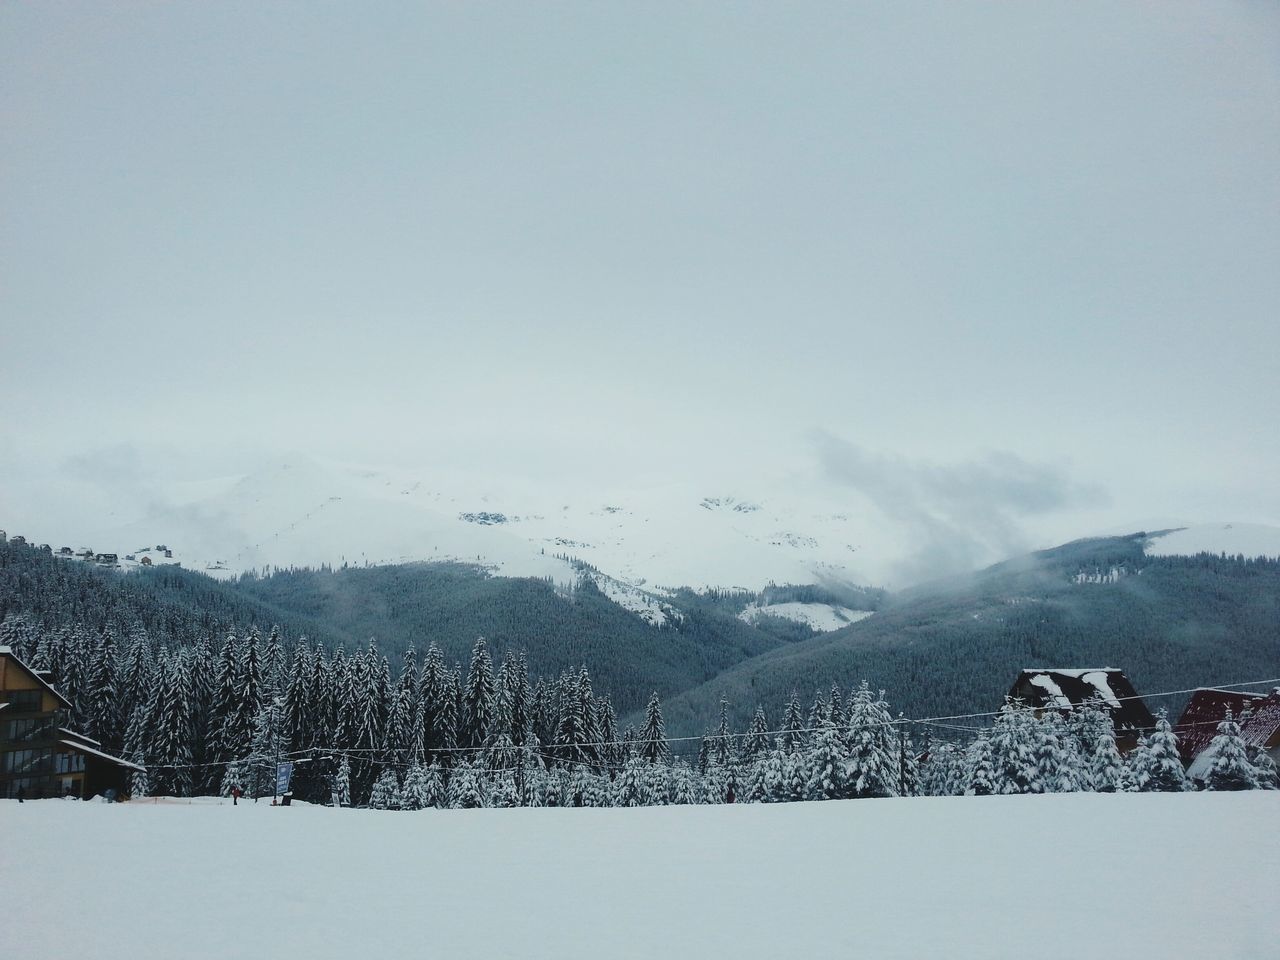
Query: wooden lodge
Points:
[1067, 689]
[39, 755]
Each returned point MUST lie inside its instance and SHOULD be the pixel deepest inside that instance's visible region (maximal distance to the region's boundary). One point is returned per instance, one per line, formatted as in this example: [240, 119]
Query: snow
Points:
[820, 616]
[644, 605]
[652, 535]
[1045, 683]
[1098, 680]
[876, 878]
[85, 748]
[1249, 539]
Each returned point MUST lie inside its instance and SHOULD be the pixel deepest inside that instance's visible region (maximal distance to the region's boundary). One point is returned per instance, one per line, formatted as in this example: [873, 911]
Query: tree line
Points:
[205, 719]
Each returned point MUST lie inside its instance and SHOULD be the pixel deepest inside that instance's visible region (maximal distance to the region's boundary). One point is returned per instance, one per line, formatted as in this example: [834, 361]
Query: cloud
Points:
[957, 516]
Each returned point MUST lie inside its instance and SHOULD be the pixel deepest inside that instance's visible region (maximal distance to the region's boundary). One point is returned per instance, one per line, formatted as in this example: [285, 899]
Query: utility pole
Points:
[275, 736]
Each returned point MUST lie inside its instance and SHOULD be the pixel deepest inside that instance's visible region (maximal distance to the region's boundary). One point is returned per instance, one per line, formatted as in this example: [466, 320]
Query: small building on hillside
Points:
[39, 755]
[1066, 689]
[145, 561]
[107, 559]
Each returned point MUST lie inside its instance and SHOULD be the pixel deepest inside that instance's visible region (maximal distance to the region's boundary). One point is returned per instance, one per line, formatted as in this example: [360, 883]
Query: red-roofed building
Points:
[1198, 724]
[1261, 728]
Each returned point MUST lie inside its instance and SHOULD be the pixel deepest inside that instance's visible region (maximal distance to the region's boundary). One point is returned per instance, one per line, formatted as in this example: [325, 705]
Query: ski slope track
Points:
[1054, 876]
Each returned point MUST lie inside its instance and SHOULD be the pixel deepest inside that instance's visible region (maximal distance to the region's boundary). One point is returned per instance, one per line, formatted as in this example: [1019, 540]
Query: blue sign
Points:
[283, 772]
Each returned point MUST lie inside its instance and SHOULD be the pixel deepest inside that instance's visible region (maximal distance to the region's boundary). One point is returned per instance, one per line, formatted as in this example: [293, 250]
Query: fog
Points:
[1007, 270]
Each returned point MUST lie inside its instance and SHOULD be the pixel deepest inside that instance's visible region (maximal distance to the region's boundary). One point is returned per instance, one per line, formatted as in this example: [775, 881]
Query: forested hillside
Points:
[403, 607]
[956, 646]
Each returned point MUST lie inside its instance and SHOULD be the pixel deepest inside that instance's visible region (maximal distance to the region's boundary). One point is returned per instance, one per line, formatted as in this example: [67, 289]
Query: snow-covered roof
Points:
[1064, 688]
[35, 675]
[79, 736]
[1262, 727]
[3, 705]
[1198, 724]
[85, 748]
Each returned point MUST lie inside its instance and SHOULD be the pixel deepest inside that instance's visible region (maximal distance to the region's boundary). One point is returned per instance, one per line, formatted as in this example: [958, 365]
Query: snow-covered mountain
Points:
[647, 538]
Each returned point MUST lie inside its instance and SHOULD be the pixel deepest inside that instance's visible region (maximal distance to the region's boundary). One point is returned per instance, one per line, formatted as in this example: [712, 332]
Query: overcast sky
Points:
[622, 237]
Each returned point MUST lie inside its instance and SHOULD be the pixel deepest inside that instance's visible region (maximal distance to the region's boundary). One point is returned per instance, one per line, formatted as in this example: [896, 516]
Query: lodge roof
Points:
[1066, 688]
[34, 674]
[1198, 724]
[85, 748]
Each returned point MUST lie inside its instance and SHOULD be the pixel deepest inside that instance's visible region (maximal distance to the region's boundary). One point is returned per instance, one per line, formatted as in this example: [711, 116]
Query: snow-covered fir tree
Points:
[386, 791]
[1230, 768]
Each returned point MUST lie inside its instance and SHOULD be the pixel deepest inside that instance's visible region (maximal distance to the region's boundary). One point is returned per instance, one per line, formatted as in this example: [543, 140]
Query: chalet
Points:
[1064, 690]
[39, 755]
[1257, 713]
[145, 561]
[1207, 707]
[107, 559]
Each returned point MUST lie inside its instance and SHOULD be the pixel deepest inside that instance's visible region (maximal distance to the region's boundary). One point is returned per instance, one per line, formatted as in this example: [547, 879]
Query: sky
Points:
[1018, 259]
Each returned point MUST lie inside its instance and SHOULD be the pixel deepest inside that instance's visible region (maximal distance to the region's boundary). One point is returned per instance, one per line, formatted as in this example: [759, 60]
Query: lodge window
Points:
[26, 729]
[26, 761]
[24, 701]
[69, 763]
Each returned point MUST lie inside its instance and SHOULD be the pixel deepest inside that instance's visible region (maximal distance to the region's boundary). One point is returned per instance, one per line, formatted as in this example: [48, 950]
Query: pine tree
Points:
[1049, 754]
[1161, 769]
[386, 791]
[464, 791]
[722, 743]
[414, 795]
[774, 775]
[1265, 770]
[979, 769]
[682, 788]
[1013, 750]
[342, 782]
[479, 698]
[1106, 768]
[653, 742]
[629, 788]
[756, 743]
[871, 758]
[1231, 769]
[433, 792]
[796, 773]
[793, 735]
[172, 733]
[828, 765]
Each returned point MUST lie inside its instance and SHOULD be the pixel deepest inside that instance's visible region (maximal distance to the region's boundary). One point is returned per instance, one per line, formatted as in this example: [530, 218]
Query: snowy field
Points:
[1130, 875]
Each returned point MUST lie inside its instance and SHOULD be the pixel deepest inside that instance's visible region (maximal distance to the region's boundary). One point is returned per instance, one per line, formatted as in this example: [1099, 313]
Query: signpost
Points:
[284, 771]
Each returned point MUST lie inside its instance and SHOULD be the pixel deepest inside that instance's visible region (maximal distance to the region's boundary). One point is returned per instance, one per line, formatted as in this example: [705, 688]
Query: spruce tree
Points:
[653, 743]
[386, 791]
[872, 759]
[1013, 750]
[1161, 769]
[1106, 768]
[980, 777]
[828, 765]
[793, 724]
[479, 697]
[1231, 769]
[415, 795]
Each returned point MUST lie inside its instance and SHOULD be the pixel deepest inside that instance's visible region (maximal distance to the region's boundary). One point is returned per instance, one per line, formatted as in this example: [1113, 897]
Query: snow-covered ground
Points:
[1056, 876]
[820, 616]
[1249, 539]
